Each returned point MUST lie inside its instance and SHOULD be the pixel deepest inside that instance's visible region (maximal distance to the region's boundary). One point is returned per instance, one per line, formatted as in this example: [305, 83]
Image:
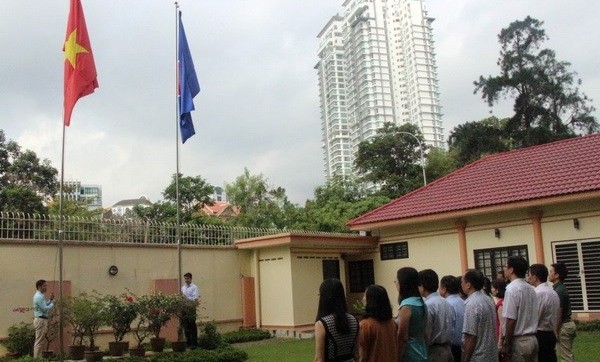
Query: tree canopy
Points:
[472, 140]
[194, 193]
[260, 204]
[392, 159]
[26, 182]
[335, 203]
[548, 104]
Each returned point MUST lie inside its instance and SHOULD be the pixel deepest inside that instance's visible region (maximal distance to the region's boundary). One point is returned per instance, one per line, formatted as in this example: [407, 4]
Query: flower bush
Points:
[120, 313]
[157, 309]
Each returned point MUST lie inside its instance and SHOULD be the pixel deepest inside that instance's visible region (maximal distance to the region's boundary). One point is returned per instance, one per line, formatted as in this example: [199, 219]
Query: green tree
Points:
[392, 159]
[194, 193]
[335, 203]
[472, 140]
[260, 205]
[26, 182]
[439, 163]
[548, 105]
[72, 208]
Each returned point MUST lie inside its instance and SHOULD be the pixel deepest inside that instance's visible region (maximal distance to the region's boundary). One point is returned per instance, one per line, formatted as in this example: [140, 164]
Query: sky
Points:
[258, 107]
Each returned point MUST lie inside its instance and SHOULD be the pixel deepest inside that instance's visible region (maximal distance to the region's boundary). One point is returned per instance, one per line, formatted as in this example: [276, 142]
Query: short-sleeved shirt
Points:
[549, 306]
[480, 321]
[520, 304]
[459, 312]
[565, 300]
[440, 317]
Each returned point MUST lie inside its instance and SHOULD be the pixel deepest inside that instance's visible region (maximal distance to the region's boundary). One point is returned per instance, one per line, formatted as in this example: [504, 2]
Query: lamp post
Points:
[422, 158]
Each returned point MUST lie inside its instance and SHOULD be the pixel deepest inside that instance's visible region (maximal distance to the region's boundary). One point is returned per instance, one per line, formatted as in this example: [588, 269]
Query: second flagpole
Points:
[177, 95]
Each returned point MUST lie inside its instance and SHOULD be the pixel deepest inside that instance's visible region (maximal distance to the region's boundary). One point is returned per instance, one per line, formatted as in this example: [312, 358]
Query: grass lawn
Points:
[586, 346]
[280, 349]
[292, 350]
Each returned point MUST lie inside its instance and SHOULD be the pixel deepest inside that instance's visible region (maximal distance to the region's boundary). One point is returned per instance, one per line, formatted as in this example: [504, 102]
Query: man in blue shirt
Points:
[440, 318]
[450, 289]
[41, 309]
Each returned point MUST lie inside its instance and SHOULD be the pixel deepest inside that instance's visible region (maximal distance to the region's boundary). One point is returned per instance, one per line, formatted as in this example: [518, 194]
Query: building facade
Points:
[123, 207]
[90, 194]
[376, 65]
[542, 203]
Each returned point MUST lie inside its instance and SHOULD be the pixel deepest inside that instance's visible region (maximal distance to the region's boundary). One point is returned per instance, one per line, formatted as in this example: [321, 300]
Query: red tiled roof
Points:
[554, 169]
[218, 208]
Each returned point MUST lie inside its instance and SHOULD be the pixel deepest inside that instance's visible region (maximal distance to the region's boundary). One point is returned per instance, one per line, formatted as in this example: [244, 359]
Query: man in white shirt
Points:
[191, 292]
[549, 305]
[520, 314]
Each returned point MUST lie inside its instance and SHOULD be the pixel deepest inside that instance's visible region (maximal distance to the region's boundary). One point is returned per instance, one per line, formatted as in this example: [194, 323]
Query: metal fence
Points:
[20, 226]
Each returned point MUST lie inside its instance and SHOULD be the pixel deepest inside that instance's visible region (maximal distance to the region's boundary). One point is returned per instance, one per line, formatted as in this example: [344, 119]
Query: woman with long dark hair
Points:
[377, 341]
[498, 291]
[412, 317]
[336, 330]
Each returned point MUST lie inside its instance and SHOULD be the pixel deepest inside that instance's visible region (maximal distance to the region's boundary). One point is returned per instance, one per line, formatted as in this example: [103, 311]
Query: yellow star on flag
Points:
[72, 48]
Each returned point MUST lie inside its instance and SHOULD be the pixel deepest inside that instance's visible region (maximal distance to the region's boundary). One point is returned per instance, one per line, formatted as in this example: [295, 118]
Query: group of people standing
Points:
[452, 319]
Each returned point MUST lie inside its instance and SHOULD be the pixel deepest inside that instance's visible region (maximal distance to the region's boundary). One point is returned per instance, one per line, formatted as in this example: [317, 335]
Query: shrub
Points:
[210, 338]
[231, 355]
[246, 335]
[86, 315]
[20, 339]
[590, 326]
[120, 313]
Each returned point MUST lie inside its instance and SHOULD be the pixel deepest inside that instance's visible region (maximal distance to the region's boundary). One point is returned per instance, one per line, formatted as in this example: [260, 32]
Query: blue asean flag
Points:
[188, 86]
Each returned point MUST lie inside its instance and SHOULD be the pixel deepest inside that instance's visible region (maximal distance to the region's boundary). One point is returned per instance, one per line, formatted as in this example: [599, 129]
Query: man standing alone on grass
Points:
[41, 309]
[192, 294]
[479, 328]
[565, 329]
[549, 305]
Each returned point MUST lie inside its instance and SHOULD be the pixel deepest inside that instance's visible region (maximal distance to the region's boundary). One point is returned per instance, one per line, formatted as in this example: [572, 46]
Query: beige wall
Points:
[216, 272]
[276, 299]
[432, 250]
[435, 244]
[307, 276]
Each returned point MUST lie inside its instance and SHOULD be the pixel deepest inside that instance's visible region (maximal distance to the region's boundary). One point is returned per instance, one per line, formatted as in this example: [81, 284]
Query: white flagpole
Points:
[178, 95]
[60, 249]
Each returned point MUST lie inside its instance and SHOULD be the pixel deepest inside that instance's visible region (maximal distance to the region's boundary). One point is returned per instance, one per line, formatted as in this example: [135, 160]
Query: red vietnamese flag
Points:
[80, 70]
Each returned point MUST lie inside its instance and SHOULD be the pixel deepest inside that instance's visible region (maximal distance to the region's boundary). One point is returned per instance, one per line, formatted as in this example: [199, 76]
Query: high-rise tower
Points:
[376, 65]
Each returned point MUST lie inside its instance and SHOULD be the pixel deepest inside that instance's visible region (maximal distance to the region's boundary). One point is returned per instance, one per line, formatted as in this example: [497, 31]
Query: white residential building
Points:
[122, 207]
[376, 65]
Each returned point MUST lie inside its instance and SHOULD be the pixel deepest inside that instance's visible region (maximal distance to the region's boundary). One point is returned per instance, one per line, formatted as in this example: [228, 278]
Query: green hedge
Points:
[246, 335]
[222, 354]
[591, 326]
